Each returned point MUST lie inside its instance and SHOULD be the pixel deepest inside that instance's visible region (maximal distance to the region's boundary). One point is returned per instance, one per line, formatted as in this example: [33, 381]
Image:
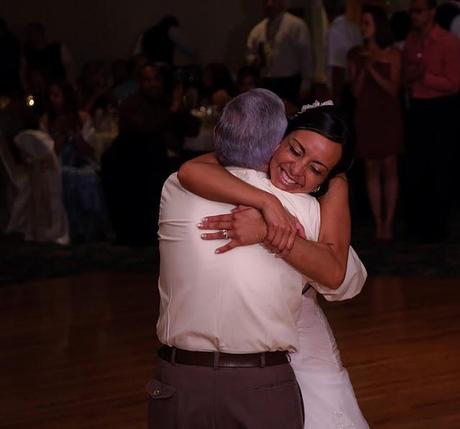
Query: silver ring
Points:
[224, 233]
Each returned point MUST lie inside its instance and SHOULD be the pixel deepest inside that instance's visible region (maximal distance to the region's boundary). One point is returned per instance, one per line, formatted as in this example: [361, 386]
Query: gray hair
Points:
[249, 130]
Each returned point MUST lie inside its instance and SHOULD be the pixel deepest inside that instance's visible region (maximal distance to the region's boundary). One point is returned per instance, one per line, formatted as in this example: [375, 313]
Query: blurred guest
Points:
[159, 42]
[375, 74]
[432, 75]
[70, 129]
[400, 27]
[217, 87]
[136, 165]
[448, 16]
[124, 81]
[10, 60]
[248, 78]
[93, 88]
[52, 59]
[341, 36]
[280, 46]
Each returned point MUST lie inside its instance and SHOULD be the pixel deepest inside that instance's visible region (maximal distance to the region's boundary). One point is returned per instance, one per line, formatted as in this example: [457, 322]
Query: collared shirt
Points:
[439, 51]
[284, 44]
[242, 301]
[341, 36]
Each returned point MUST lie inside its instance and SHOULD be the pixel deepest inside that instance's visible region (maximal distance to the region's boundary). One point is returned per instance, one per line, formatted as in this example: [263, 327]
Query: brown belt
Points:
[222, 360]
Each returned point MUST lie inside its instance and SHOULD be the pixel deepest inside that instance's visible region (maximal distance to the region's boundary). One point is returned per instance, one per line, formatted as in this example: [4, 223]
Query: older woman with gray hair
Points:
[307, 154]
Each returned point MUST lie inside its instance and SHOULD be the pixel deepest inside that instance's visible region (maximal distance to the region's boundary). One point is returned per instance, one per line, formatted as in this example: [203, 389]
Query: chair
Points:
[17, 190]
[44, 212]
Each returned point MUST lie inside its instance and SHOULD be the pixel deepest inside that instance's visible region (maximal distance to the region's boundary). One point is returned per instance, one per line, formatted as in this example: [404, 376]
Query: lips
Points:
[287, 180]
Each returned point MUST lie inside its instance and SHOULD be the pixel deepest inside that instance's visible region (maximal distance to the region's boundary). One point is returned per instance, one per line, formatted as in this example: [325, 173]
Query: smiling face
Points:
[367, 26]
[421, 15]
[303, 161]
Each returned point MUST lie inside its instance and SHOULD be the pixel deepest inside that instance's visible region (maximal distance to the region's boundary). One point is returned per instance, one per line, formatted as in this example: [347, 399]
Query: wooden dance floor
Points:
[77, 352]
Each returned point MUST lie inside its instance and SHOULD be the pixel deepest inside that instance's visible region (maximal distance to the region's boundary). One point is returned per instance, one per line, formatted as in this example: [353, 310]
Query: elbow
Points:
[336, 277]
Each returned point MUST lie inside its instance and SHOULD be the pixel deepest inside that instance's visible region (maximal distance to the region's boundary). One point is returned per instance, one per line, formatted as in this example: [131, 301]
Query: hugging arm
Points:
[327, 259]
[324, 262]
[205, 177]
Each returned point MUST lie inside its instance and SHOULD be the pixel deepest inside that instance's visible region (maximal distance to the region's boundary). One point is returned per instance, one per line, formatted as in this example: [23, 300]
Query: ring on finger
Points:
[224, 233]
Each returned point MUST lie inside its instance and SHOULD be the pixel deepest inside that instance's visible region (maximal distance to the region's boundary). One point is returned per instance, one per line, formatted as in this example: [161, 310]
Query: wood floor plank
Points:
[77, 352]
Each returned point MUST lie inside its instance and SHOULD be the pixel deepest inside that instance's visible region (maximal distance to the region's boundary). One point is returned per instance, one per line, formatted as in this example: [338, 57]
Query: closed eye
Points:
[316, 171]
[294, 150]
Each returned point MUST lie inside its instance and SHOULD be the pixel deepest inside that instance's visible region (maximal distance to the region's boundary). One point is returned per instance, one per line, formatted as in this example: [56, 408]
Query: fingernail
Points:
[199, 225]
[203, 235]
[205, 219]
[217, 251]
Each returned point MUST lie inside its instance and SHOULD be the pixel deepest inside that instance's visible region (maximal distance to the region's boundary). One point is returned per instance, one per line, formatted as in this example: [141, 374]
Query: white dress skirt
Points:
[328, 396]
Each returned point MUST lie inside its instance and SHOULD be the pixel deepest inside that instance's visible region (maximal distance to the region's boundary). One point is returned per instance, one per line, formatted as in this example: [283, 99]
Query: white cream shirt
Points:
[242, 301]
[290, 51]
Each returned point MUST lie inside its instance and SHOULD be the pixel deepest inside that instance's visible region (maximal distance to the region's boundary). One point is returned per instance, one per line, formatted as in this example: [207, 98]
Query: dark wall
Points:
[108, 29]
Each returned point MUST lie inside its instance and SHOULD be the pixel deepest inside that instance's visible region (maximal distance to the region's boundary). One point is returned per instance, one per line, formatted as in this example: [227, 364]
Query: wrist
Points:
[267, 201]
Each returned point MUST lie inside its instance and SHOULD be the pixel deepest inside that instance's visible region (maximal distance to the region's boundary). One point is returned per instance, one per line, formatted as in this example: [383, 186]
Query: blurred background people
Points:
[375, 74]
[53, 59]
[400, 27]
[134, 168]
[280, 46]
[341, 36]
[432, 75]
[70, 129]
[93, 88]
[218, 86]
[160, 42]
[248, 78]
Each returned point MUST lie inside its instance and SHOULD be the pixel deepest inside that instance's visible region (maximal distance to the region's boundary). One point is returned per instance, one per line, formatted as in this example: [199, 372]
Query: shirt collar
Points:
[338, 19]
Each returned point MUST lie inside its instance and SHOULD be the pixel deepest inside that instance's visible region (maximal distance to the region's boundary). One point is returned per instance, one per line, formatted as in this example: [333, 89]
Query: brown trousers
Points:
[191, 397]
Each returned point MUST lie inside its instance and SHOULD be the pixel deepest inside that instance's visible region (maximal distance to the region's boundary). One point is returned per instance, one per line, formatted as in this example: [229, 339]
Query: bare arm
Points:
[391, 85]
[356, 75]
[324, 262]
[205, 177]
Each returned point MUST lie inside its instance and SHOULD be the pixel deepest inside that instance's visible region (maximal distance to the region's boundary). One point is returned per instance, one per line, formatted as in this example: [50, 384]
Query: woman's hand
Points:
[282, 227]
[244, 226]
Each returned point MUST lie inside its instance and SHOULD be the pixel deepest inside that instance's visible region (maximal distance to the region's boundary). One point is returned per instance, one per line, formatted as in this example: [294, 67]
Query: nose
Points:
[298, 168]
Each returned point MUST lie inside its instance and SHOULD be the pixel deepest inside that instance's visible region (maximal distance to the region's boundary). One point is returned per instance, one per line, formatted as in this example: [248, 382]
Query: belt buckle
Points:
[262, 360]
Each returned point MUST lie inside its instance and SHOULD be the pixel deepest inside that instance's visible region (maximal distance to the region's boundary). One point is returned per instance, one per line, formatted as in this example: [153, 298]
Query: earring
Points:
[317, 189]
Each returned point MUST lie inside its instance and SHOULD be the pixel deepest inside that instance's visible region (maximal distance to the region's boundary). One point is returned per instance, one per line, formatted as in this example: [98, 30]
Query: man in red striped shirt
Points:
[431, 61]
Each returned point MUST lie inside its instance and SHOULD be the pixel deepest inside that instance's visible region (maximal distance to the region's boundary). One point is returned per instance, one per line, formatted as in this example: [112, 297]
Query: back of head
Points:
[249, 130]
[334, 7]
[400, 25]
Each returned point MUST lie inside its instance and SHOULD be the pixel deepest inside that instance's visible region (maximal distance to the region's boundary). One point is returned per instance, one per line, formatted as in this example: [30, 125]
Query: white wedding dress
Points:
[328, 395]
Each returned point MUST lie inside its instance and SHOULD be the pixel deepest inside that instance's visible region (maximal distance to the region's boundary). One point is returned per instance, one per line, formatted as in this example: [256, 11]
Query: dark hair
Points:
[248, 71]
[70, 103]
[221, 79]
[400, 24]
[166, 75]
[431, 4]
[383, 35]
[328, 122]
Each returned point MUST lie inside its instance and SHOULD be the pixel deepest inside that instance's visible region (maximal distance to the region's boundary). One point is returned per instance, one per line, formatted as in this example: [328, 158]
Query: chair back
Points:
[46, 218]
